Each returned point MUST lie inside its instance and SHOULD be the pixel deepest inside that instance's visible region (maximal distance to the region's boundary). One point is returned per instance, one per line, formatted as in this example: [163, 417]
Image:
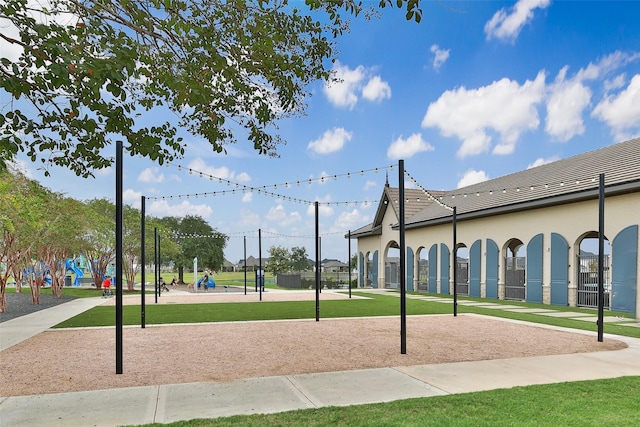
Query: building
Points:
[524, 236]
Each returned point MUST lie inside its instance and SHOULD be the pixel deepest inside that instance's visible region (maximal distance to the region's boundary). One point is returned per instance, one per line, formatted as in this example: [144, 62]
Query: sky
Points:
[475, 91]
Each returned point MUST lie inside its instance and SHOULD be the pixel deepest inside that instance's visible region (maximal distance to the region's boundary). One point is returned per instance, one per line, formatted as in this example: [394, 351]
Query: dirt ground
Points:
[84, 359]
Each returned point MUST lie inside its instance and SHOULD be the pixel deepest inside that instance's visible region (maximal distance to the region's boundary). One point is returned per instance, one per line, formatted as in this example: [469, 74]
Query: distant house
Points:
[334, 266]
[252, 264]
[227, 266]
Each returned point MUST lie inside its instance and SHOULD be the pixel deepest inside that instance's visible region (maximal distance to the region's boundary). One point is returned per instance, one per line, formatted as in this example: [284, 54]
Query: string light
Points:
[582, 183]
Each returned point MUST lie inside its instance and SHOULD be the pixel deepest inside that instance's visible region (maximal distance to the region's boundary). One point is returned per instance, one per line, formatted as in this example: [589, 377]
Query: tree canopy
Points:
[81, 74]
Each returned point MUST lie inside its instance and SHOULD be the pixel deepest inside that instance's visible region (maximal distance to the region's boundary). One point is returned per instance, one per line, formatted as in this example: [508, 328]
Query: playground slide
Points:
[212, 283]
[70, 265]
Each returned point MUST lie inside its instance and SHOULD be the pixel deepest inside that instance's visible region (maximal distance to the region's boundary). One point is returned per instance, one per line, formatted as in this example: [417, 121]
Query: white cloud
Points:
[104, 171]
[376, 90]
[247, 197]
[540, 161]
[503, 106]
[342, 93]
[622, 111]
[249, 219]
[370, 184]
[607, 65]
[162, 208]
[406, 148]
[331, 141]
[441, 56]
[471, 177]
[279, 215]
[507, 24]
[567, 100]
[199, 165]
[131, 196]
[569, 96]
[151, 175]
[350, 220]
[616, 83]
[323, 208]
[350, 84]
[243, 177]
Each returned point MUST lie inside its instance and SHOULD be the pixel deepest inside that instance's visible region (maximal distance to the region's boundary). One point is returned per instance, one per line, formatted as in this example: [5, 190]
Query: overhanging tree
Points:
[85, 73]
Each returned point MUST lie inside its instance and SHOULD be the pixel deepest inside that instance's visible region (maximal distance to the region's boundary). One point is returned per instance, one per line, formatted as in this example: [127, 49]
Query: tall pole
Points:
[601, 259]
[319, 243]
[317, 227]
[155, 262]
[260, 277]
[119, 253]
[159, 267]
[455, 264]
[349, 263]
[403, 279]
[245, 265]
[142, 261]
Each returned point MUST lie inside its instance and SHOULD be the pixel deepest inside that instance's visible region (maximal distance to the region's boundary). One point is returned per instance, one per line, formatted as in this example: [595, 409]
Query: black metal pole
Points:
[159, 267]
[260, 279]
[319, 243]
[142, 261]
[455, 263]
[349, 263]
[155, 262]
[245, 265]
[316, 205]
[403, 279]
[601, 260]
[119, 254]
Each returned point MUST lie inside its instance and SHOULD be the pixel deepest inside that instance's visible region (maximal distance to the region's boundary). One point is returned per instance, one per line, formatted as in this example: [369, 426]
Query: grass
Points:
[588, 403]
[376, 305]
[584, 403]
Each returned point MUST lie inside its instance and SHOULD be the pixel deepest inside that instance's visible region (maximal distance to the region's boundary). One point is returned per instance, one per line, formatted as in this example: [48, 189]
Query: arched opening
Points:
[422, 269]
[515, 263]
[587, 262]
[462, 270]
[392, 266]
[368, 270]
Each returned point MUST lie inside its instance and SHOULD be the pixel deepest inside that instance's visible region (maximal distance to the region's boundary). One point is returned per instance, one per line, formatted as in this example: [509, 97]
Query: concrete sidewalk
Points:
[175, 402]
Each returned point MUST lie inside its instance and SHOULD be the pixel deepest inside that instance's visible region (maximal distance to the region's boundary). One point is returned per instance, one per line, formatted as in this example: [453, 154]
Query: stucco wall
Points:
[571, 221]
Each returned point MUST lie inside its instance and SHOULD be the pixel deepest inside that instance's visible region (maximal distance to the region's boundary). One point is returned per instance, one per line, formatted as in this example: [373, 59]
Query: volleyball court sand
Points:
[84, 359]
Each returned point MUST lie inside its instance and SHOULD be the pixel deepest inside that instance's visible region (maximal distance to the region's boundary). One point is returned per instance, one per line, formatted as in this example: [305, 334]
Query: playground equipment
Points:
[71, 265]
[210, 283]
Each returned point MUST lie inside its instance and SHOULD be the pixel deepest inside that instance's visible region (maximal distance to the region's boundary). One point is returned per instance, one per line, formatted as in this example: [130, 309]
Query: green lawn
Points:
[610, 402]
[591, 403]
[375, 305]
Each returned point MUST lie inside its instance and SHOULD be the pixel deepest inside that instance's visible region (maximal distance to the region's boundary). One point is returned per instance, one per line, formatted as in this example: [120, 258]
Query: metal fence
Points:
[588, 281]
[515, 276]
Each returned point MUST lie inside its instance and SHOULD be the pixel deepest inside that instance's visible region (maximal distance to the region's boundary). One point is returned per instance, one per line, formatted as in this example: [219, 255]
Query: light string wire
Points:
[504, 190]
[253, 234]
[431, 197]
[263, 189]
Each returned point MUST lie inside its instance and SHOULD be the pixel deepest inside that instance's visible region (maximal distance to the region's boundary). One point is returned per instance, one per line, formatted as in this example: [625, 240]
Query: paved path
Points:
[174, 402]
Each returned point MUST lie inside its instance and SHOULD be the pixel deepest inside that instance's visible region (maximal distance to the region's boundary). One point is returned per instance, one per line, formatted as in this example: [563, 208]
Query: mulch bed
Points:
[21, 305]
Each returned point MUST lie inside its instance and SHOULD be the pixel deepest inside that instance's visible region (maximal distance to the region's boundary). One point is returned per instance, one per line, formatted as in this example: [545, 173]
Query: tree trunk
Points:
[35, 291]
[181, 275]
[3, 298]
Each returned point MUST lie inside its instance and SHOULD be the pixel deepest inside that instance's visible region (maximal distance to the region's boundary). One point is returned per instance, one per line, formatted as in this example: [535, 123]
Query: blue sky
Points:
[475, 91]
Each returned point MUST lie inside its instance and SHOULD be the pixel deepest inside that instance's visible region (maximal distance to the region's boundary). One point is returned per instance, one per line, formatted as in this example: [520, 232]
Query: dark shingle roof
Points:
[573, 177]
